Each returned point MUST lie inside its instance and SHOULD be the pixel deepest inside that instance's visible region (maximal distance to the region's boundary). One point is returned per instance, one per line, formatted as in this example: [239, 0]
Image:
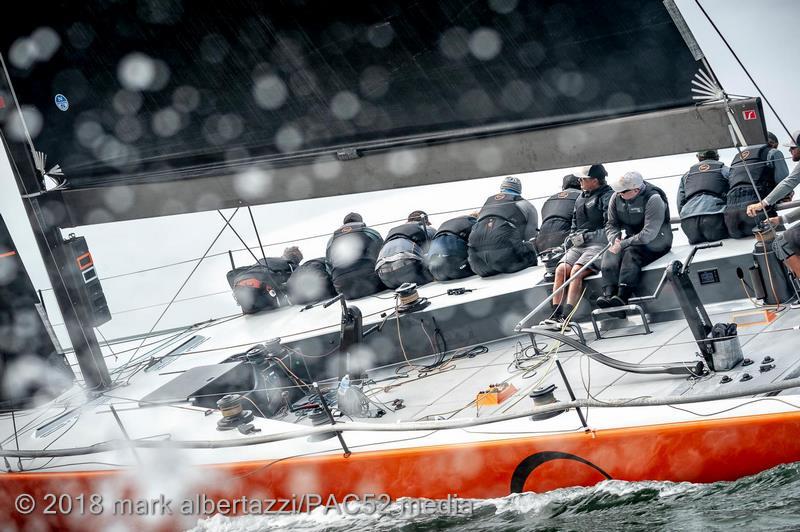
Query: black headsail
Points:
[178, 101]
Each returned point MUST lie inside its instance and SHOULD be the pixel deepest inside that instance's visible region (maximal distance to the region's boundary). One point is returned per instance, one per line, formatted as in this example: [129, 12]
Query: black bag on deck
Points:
[310, 283]
[254, 288]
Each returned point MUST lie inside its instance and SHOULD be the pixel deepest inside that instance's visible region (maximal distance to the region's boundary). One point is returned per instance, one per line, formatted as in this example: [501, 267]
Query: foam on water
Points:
[766, 501]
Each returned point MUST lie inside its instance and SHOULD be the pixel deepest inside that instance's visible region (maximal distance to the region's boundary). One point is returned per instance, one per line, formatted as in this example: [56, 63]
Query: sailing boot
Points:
[604, 301]
[620, 300]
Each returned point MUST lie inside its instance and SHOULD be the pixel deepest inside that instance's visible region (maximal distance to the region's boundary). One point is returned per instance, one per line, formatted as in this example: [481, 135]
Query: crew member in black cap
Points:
[702, 198]
[586, 239]
[351, 254]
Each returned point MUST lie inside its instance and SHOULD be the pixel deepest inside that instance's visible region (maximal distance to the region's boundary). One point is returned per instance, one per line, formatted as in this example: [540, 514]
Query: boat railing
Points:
[524, 321]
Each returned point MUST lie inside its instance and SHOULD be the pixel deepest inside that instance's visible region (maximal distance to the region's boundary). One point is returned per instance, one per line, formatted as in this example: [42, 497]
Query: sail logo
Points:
[749, 114]
[61, 102]
[86, 267]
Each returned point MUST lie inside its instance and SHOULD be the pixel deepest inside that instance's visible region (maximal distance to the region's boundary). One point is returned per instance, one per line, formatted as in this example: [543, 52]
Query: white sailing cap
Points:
[795, 140]
[627, 181]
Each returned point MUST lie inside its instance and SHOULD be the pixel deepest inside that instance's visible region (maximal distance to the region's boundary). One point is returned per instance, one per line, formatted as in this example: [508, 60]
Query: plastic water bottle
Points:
[344, 385]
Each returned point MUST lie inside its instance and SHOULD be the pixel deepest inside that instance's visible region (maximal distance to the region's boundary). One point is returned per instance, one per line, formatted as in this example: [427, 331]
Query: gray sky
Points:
[761, 33]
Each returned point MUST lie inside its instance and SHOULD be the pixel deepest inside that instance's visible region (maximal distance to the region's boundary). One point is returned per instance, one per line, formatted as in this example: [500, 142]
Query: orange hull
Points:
[701, 451]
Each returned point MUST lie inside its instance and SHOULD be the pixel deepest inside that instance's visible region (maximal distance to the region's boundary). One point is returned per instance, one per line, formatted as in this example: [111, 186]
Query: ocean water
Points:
[767, 501]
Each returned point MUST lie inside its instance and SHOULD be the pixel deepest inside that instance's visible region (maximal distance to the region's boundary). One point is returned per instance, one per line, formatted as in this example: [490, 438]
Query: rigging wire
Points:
[735, 56]
[327, 234]
[227, 221]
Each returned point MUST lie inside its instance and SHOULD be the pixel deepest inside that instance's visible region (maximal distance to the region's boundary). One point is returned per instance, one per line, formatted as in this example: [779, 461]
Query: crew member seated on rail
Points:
[785, 189]
[556, 220]
[586, 239]
[311, 283]
[351, 254]
[401, 259]
[501, 240]
[641, 209]
[702, 198]
[263, 285]
[766, 171]
[787, 244]
[447, 256]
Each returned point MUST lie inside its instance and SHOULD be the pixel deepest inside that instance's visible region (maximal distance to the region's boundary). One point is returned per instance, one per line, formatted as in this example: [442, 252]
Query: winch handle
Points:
[332, 301]
[690, 258]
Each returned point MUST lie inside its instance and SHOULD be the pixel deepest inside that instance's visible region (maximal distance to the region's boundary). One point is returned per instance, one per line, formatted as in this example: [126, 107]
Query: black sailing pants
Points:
[704, 228]
[625, 267]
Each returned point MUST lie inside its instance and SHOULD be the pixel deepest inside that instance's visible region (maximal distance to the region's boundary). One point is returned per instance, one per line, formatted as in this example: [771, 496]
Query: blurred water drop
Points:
[288, 138]
[270, 91]
[517, 95]
[402, 162]
[126, 102]
[136, 71]
[374, 82]
[47, 42]
[327, 167]
[299, 187]
[253, 183]
[380, 35]
[485, 43]
[186, 99]
[166, 122]
[23, 53]
[345, 105]
[454, 43]
[16, 124]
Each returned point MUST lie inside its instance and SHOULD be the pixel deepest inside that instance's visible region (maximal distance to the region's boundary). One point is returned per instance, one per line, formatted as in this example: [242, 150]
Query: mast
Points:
[46, 216]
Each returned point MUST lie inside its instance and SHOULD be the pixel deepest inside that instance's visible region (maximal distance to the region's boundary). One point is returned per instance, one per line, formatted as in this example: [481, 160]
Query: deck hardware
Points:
[745, 377]
[571, 395]
[327, 410]
[767, 360]
[458, 291]
[766, 367]
[248, 428]
[125, 433]
[544, 396]
[725, 379]
[747, 361]
[232, 413]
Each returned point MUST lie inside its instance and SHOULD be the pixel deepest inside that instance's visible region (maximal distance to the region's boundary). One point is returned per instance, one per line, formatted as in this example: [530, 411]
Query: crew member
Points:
[642, 211]
[311, 282]
[586, 239]
[702, 198]
[766, 168]
[264, 285]
[557, 214]
[501, 240]
[447, 256]
[786, 187]
[556, 220]
[401, 259]
[787, 244]
[351, 254]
